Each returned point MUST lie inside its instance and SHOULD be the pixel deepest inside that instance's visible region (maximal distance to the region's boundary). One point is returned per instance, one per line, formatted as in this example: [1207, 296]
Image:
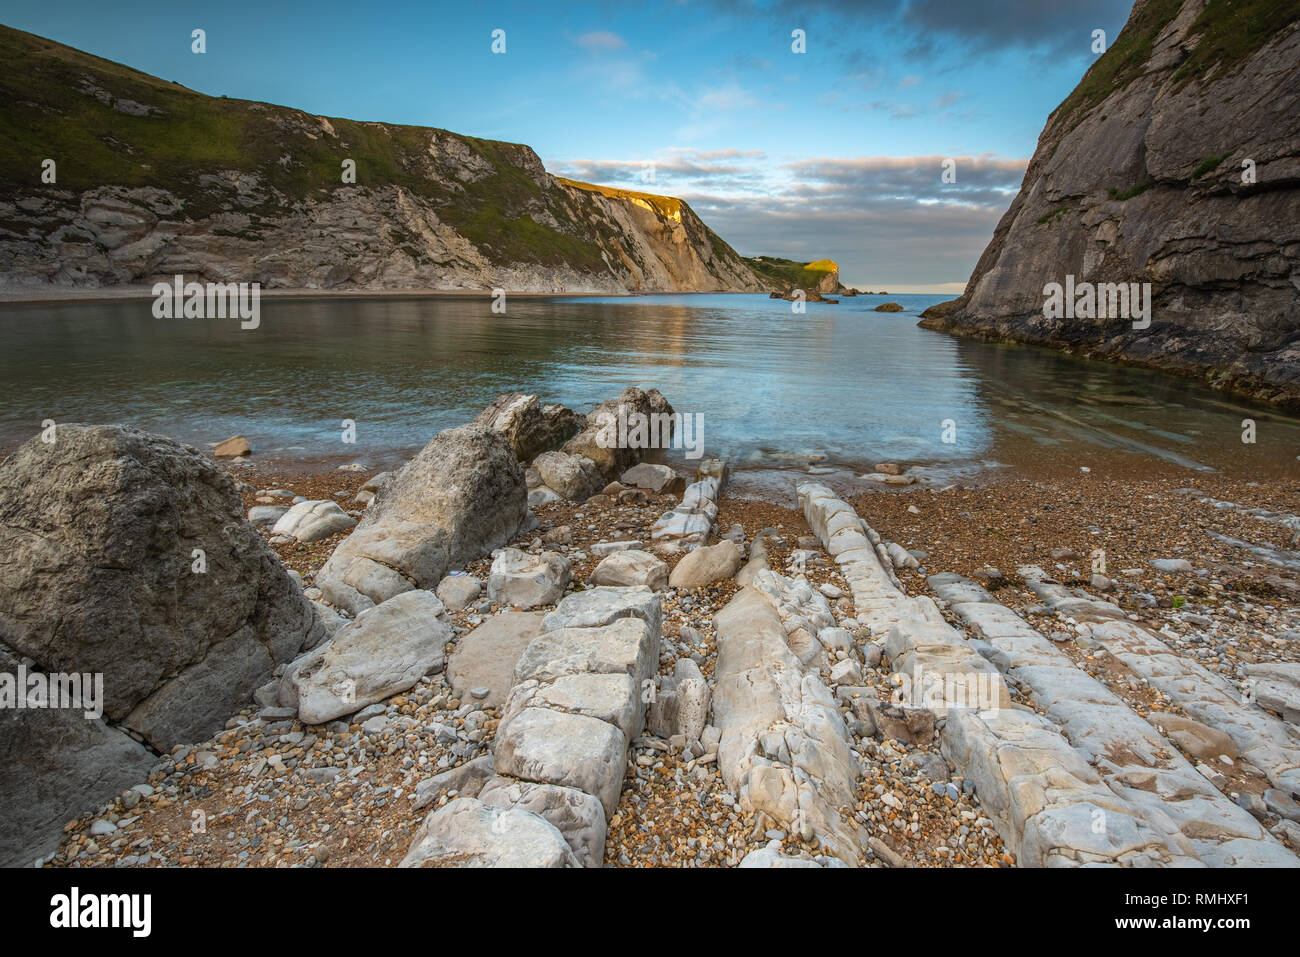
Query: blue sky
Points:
[834, 152]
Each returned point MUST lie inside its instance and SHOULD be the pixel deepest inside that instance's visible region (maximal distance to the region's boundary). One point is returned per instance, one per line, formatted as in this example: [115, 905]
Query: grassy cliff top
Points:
[788, 271]
[669, 206]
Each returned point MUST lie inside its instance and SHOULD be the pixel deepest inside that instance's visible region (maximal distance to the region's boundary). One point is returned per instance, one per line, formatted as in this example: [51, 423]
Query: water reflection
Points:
[835, 385]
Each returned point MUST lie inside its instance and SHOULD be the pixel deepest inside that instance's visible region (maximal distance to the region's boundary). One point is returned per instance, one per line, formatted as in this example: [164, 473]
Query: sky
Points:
[835, 152]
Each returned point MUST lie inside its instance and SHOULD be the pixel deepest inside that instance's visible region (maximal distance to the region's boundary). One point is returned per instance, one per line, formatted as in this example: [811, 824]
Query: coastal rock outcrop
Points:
[614, 437]
[462, 496]
[530, 427]
[426, 209]
[128, 554]
[1174, 163]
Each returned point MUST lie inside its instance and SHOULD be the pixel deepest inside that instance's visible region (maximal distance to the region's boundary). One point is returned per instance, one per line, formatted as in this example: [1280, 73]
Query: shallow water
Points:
[838, 386]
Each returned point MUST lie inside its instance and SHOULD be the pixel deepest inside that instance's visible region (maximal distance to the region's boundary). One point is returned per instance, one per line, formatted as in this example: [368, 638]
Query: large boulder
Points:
[461, 497]
[383, 651]
[599, 438]
[128, 554]
[530, 427]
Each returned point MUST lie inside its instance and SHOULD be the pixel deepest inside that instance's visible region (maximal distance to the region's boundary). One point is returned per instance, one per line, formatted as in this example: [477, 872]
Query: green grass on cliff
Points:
[787, 271]
[1226, 31]
[66, 105]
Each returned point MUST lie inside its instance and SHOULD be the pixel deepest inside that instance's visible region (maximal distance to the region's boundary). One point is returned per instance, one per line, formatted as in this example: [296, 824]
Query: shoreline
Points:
[63, 296]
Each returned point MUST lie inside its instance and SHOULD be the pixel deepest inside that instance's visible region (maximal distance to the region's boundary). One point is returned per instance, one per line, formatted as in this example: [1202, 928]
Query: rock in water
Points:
[530, 427]
[232, 447]
[462, 496]
[128, 554]
[1149, 143]
[383, 651]
[600, 441]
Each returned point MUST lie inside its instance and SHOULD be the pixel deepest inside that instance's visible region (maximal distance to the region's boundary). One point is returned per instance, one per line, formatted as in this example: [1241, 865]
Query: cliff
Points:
[1176, 162]
[822, 275]
[153, 179]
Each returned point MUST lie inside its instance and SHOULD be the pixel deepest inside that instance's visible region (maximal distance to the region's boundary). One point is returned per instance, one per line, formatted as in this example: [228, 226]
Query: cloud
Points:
[887, 220]
[601, 40]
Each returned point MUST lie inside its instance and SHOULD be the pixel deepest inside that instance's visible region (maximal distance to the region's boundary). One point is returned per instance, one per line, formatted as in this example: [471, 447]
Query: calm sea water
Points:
[838, 386]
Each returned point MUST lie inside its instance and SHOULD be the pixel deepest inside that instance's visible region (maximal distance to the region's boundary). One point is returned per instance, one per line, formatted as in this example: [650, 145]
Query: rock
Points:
[266, 514]
[373, 486]
[889, 468]
[599, 438]
[901, 557]
[331, 621]
[572, 477]
[385, 650]
[626, 646]
[526, 581]
[467, 780]
[55, 764]
[1276, 686]
[486, 657]
[575, 814]
[693, 698]
[1172, 565]
[835, 639]
[234, 446]
[461, 497]
[846, 672]
[611, 697]
[632, 567]
[1282, 804]
[560, 535]
[706, 565]
[312, 521]
[895, 722]
[529, 427]
[1198, 740]
[609, 548]
[888, 307]
[552, 747]
[469, 833]
[458, 591]
[652, 478]
[542, 496]
[600, 606]
[101, 535]
[772, 857]
[1124, 151]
